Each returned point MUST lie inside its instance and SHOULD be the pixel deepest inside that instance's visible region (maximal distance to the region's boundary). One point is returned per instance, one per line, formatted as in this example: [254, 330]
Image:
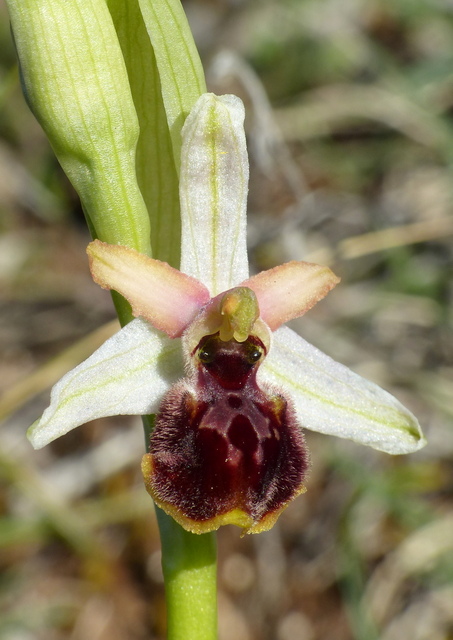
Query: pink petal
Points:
[164, 296]
[288, 291]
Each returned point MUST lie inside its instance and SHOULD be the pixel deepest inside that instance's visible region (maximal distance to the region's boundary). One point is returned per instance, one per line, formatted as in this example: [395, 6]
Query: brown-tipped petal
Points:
[164, 296]
[290, 290]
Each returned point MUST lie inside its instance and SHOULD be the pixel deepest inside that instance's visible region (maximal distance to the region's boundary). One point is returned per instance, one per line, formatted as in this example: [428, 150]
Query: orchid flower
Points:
[207, 352]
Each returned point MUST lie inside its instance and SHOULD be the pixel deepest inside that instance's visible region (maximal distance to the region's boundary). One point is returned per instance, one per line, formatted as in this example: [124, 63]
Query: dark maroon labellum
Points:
[224, 450]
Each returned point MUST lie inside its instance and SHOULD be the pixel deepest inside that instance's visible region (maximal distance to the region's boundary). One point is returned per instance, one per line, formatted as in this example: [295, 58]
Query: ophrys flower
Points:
[227, 445]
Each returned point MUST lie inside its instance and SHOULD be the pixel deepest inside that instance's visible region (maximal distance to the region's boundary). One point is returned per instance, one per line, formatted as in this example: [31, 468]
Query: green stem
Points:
[189, 566]
[189, 563]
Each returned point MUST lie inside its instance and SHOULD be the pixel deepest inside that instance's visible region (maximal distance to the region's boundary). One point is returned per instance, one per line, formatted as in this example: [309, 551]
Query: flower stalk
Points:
[190, 573]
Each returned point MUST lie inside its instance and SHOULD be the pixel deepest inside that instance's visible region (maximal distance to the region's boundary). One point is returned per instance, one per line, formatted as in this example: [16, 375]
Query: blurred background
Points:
[350, 132]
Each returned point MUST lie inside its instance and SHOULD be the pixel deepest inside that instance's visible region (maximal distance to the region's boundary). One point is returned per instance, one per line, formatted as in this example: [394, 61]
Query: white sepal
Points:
[127, 375]
[331, 399]
[213, 193]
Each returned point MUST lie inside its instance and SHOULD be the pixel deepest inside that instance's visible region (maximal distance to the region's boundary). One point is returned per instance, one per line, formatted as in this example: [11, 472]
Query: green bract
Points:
[77, 86]
[112, 106]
